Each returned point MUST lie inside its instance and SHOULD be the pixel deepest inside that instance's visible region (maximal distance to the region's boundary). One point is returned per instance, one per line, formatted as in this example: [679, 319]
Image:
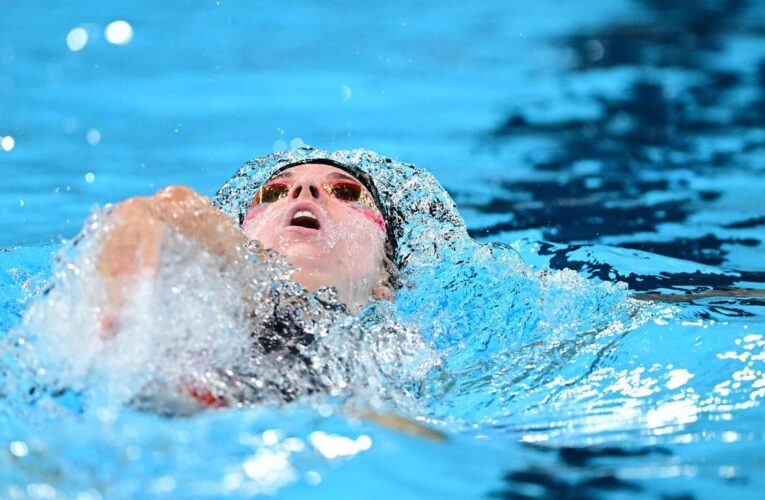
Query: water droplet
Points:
[270, 437]
[19, 449]
[106, 415]
[346, 92]
[90, 177]
[119, 33]
[7, 143]
[77, 39]
[312, 477]
[93, 136]
[594, 49]
[293, 444]
[324, 410]
[363, 442]
[164, 484]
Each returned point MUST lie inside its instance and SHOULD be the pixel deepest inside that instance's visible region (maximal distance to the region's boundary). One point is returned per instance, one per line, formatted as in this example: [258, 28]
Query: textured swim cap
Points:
[417, 210]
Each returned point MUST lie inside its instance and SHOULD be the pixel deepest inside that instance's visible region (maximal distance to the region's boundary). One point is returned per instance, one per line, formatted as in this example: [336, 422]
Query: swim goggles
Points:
[343, 190]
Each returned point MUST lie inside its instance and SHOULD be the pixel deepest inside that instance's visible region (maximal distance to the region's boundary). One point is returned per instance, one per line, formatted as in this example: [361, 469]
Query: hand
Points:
[137, 229]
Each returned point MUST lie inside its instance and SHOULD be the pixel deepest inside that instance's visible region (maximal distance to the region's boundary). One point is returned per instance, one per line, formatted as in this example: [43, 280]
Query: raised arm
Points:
[137, 231]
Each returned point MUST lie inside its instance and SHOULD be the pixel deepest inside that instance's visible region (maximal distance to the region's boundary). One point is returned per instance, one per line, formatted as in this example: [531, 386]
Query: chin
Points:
[310, 259]
[306, 253]
[312, 279]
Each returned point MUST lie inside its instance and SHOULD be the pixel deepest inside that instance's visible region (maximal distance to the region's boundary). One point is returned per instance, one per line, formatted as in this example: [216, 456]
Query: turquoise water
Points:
[620, 140]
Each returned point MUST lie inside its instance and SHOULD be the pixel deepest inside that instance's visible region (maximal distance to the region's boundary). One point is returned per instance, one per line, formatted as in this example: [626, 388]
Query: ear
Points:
[383, 291]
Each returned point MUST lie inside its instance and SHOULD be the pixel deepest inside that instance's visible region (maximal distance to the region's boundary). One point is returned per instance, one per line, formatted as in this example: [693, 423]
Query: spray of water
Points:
[207, 332]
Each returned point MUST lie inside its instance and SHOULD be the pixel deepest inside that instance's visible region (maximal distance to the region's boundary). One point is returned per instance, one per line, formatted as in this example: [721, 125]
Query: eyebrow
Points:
[338, 175]
[332, 175]
[282, 175]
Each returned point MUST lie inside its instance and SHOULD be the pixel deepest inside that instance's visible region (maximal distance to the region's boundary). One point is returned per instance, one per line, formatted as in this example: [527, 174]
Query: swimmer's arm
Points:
[404, 425]
[138, 227]
[135, 233]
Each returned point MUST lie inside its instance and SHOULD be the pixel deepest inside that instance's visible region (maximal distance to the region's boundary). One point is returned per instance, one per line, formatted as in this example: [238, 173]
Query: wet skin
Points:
[331, 238]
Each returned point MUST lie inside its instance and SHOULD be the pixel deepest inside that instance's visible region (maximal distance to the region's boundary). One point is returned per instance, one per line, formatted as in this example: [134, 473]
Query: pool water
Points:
[617, 144]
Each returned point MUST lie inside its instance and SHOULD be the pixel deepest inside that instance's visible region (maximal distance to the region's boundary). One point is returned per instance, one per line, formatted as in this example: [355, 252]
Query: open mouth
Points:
[304, 218]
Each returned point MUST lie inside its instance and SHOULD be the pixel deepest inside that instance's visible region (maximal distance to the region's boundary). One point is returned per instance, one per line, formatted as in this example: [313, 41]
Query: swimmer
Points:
[325, 217]
[325, 221]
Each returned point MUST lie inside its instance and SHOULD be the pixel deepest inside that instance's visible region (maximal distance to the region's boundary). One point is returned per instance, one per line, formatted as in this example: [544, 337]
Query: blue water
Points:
[621, 140]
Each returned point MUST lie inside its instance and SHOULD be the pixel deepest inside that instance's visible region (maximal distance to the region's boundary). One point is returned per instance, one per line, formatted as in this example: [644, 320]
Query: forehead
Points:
[314, 170]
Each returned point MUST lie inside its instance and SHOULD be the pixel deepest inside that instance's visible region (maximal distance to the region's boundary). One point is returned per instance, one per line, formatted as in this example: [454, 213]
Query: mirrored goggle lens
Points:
[343, 190]
[271, 192]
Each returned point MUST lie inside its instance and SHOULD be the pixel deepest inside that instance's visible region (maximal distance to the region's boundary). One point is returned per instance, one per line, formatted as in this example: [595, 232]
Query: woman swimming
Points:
[332, 216]
[353, 221]
[322, 219]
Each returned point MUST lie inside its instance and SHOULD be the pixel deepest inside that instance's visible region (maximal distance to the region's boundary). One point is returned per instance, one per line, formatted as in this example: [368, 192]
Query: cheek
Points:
[258, 224]
[361, 227]
[253, 214]
[360, 243]
[371, 215]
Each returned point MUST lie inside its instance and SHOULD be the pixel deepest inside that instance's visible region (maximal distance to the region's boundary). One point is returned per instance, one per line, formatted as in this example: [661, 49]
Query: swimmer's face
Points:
[327, 225]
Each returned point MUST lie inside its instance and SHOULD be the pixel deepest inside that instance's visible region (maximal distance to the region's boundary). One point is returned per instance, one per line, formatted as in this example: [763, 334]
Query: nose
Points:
[305, 188]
